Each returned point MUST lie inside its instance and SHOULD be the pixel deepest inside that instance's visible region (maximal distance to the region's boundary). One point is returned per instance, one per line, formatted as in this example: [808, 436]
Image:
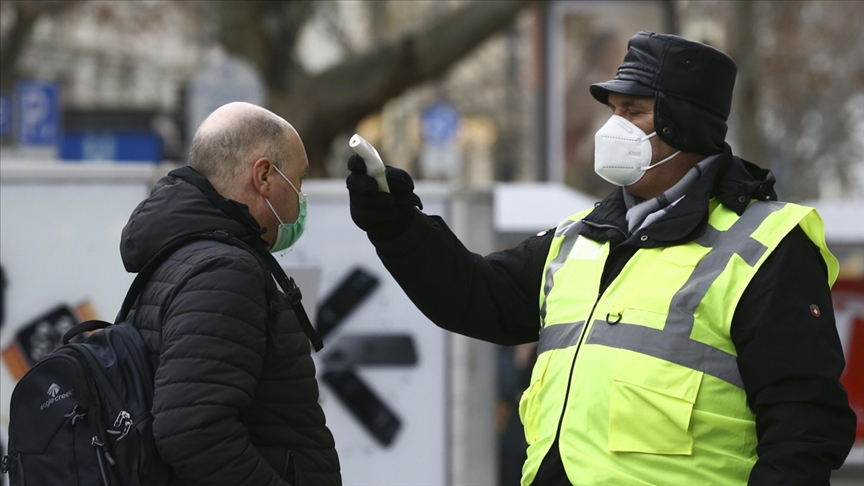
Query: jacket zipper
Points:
[605, 226]
[288, 467]
[581, 337]
[572, 367]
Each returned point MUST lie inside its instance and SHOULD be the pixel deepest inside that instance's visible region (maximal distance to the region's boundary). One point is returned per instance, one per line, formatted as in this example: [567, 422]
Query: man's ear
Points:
[262, 171]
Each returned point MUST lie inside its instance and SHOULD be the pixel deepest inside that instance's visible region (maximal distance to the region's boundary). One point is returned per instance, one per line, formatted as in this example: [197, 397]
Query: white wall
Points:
[59, 243]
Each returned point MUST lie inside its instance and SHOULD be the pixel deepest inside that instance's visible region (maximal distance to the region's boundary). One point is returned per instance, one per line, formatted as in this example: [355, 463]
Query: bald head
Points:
[234, 136]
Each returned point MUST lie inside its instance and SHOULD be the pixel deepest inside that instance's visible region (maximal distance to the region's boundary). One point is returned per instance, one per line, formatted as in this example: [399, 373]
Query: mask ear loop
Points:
[301, 196]
[289, 180]
[667, 159]
[274, 211]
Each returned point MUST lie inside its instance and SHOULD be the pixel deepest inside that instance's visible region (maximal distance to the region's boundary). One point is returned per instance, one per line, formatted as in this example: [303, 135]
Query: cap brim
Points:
[600, 91]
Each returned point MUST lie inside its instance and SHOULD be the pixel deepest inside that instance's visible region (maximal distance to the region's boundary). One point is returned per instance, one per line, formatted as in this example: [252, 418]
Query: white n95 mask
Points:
[622, 152]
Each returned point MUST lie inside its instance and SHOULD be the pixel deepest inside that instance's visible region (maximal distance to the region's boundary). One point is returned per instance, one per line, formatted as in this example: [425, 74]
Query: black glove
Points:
[380, 214]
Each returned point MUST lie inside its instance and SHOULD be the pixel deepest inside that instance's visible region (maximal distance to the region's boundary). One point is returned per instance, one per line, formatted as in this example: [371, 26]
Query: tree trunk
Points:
[26, 15]
[244, 32]
[670, 17]
[12, 47]
[746, 97]
[322, 106]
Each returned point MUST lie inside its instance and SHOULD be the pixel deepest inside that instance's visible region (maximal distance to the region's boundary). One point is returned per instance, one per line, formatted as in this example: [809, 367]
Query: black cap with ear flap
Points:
[691, 84]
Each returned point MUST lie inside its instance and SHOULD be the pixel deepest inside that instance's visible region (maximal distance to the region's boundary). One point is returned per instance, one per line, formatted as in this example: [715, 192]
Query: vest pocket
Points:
[528, 407]
[651, 405]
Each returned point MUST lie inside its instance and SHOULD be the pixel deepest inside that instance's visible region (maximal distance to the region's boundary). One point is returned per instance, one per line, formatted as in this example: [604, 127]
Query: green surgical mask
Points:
[289, 233]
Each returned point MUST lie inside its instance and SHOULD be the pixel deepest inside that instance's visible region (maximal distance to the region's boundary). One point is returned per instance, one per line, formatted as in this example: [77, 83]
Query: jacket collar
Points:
[237, 211]
[183, 203]
[733, 181]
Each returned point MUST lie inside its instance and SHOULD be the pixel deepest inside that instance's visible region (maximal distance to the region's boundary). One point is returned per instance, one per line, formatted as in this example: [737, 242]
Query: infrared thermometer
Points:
[374, 164]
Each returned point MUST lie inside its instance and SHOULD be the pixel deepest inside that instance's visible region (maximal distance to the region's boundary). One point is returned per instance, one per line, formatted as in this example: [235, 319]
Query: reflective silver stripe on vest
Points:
[724, 244]
[668, 346]
[565, 227]
[673, 343]
[570, 230]
[559, 336]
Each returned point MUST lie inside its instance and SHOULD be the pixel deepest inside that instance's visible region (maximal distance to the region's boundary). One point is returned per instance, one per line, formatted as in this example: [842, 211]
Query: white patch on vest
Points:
[586, 249]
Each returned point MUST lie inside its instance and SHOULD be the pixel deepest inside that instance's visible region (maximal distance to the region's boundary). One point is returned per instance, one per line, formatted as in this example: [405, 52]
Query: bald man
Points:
[235, 399]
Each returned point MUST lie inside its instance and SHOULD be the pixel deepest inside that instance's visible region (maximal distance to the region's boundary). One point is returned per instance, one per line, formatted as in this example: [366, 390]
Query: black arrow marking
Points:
[361, 350]
[373, 350]
[345, 298]
[373, 413]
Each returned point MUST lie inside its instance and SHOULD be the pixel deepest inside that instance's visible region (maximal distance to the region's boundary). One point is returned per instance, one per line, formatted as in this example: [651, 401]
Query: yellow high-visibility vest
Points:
[641, 384]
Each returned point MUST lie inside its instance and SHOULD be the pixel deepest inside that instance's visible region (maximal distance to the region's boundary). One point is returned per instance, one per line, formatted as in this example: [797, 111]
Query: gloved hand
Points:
[380, 214]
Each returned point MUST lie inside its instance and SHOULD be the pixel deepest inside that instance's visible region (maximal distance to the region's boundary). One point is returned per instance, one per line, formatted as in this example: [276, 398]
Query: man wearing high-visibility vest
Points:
[685, 325]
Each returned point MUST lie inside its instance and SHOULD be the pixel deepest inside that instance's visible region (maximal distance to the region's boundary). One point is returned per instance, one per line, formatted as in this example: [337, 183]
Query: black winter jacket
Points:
[235, 401]
[789, 365]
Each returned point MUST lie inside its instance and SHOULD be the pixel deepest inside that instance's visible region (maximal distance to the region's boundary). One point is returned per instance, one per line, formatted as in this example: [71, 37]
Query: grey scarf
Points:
[638, 209]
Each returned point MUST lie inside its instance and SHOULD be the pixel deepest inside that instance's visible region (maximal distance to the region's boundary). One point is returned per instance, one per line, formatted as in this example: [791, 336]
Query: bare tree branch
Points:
[335, 29]
[26, 15]
[241, 32]
[810, 70]
[264, 32]
[325, 105]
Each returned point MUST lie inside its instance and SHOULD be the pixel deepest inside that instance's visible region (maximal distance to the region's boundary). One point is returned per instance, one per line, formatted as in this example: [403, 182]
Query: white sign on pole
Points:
[392, 433]
[219, 82]
[441, 157]
[382, 369]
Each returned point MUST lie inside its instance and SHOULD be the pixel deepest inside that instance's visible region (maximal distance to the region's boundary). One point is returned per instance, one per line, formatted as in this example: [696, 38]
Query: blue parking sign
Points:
[440, 122]
[5, 116]
[38, 104]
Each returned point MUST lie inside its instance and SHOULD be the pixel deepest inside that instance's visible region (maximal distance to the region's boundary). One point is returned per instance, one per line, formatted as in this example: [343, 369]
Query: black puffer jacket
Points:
[236, 395]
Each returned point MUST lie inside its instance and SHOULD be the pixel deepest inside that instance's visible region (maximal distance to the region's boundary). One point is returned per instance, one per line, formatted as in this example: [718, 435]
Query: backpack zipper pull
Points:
[122, 424]
[95, 442]
[75, 415]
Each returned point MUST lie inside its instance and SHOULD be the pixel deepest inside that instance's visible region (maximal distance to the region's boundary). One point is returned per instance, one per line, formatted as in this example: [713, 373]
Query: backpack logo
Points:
[56, 396]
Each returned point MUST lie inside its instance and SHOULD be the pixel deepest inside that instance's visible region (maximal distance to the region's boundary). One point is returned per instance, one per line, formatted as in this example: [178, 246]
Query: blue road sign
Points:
[38, 120]
[130, 146]
[440, 122]
[5, 116]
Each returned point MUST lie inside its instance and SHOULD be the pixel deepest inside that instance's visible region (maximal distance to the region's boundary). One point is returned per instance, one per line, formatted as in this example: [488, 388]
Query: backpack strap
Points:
[137, 285]
[291, 290]
[150, 267]
[268, 262]
[233, 211]
[289, 287]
